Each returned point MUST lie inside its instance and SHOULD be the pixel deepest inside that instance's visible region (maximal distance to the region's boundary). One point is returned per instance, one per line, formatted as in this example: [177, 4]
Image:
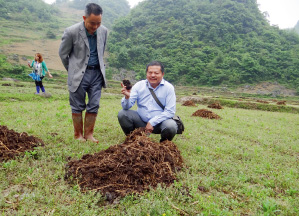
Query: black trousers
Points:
[39, 83]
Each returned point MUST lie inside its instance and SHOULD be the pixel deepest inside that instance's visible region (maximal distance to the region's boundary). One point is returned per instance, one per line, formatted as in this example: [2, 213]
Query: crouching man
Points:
[154, 117]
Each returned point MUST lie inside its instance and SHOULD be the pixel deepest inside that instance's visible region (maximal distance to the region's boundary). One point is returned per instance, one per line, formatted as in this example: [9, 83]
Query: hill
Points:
[296, 28]
[112, 10]
[30, 26]
[205, 42]
[28, 11]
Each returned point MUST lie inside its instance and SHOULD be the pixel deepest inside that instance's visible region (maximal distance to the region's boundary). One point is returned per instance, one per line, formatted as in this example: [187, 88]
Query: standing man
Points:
[149, 114]
[81, 52]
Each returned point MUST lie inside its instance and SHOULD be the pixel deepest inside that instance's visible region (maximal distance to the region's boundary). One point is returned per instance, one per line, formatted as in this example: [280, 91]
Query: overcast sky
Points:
[132, 3]
[283, 13]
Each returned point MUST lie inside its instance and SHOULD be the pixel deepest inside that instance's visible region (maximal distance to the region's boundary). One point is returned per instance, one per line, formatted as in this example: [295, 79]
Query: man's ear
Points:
[84, 18]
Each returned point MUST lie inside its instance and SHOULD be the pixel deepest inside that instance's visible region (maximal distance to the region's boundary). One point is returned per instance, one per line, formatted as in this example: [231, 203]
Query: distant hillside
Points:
[112, 10]
[297, 27]
[27, 11]
[205, 42]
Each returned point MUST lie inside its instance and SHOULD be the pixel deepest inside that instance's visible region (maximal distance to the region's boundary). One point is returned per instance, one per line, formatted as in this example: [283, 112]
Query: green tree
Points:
[203, 42]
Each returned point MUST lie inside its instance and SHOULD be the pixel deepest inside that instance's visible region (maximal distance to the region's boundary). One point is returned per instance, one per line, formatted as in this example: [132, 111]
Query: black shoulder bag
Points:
[176, 118]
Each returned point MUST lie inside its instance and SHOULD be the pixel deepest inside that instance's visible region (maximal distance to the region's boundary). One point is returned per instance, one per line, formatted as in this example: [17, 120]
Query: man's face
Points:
[92, 23]
[154, 75]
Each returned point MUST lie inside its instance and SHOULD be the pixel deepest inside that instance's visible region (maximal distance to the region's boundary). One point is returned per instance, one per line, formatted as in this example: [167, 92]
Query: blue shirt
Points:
[92, 40]
[147, 107]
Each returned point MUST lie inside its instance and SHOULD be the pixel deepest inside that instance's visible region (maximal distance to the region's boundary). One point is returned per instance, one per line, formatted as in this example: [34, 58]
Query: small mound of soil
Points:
[204, 113]
[215, 106]
[6, 84]
[281, 103]
[13, 143]
[262, 101]
[131, 167]
[128, 84]
[188, 103]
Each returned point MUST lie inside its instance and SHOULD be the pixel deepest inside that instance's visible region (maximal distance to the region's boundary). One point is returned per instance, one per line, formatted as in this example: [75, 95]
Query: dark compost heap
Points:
[13, 144]
[215, 106]
[204, 113]
[188, 103]
[131, 167]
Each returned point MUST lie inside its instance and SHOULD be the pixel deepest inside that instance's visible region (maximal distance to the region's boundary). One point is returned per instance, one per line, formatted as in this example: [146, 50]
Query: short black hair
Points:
[155, 63]
[92, 8]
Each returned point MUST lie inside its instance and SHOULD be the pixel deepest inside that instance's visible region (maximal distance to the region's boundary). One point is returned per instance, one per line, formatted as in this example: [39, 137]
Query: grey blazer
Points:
[74, 53]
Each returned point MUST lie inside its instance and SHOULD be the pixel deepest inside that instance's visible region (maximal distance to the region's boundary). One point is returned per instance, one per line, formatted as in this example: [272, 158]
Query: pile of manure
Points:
[262, 101]
[13, 144]
[215, 106]
[281, 103]
[132, 167]
[204, 113]
[188, 103]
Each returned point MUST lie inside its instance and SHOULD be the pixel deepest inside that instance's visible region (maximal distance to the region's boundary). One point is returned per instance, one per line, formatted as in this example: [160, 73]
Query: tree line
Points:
[27, 11]
[205, 42]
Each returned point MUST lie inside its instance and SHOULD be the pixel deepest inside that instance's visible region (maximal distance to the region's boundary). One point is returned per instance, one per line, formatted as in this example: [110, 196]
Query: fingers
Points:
[149, 128]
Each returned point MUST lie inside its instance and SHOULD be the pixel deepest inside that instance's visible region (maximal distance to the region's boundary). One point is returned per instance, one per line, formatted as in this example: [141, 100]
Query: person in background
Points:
[81, 52]
[39, 71]
[149, 114]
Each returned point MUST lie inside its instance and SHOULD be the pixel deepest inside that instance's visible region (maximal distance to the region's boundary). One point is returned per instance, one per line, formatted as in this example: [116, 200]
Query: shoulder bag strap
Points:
[156, 99]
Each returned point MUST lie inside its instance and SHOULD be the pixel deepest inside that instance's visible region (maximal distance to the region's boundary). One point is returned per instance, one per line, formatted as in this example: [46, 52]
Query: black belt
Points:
[93, 67]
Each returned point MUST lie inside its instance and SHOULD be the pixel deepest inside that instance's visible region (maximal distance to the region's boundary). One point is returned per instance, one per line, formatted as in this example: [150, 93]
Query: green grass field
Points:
[244, 164]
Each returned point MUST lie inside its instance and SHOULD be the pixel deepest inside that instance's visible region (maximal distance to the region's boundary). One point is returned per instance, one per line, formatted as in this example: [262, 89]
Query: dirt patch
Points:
[132, 167]
[6, 84]
[13, 144]
[215, 106]
[188, 103]
[281, 103]
[262, 101]
[204, 113]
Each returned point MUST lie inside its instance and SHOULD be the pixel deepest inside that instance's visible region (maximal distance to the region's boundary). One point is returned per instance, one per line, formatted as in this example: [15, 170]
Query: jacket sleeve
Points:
[44, 67]
[65, 48]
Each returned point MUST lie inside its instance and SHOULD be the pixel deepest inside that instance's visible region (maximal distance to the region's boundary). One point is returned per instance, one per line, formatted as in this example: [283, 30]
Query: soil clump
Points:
[13, 143]
[204, 113]
[132, 167]
[262, 101]
[128, 84]
[188, 103]
[281, 103]
[215, 106]
[6, 84]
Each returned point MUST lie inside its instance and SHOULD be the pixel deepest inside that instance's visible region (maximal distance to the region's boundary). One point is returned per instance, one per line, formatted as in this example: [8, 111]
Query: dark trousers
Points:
[129, 120]
[39, 83]
[91, 84]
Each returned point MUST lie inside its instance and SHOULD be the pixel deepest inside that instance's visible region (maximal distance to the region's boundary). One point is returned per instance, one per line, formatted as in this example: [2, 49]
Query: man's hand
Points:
[125, 92]
[149, 128]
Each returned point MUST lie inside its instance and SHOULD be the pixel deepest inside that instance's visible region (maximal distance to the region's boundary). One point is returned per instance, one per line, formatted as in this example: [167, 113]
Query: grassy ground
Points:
[244, 164]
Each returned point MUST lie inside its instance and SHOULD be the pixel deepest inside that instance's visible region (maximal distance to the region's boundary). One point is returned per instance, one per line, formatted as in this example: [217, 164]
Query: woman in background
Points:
[39, 72]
